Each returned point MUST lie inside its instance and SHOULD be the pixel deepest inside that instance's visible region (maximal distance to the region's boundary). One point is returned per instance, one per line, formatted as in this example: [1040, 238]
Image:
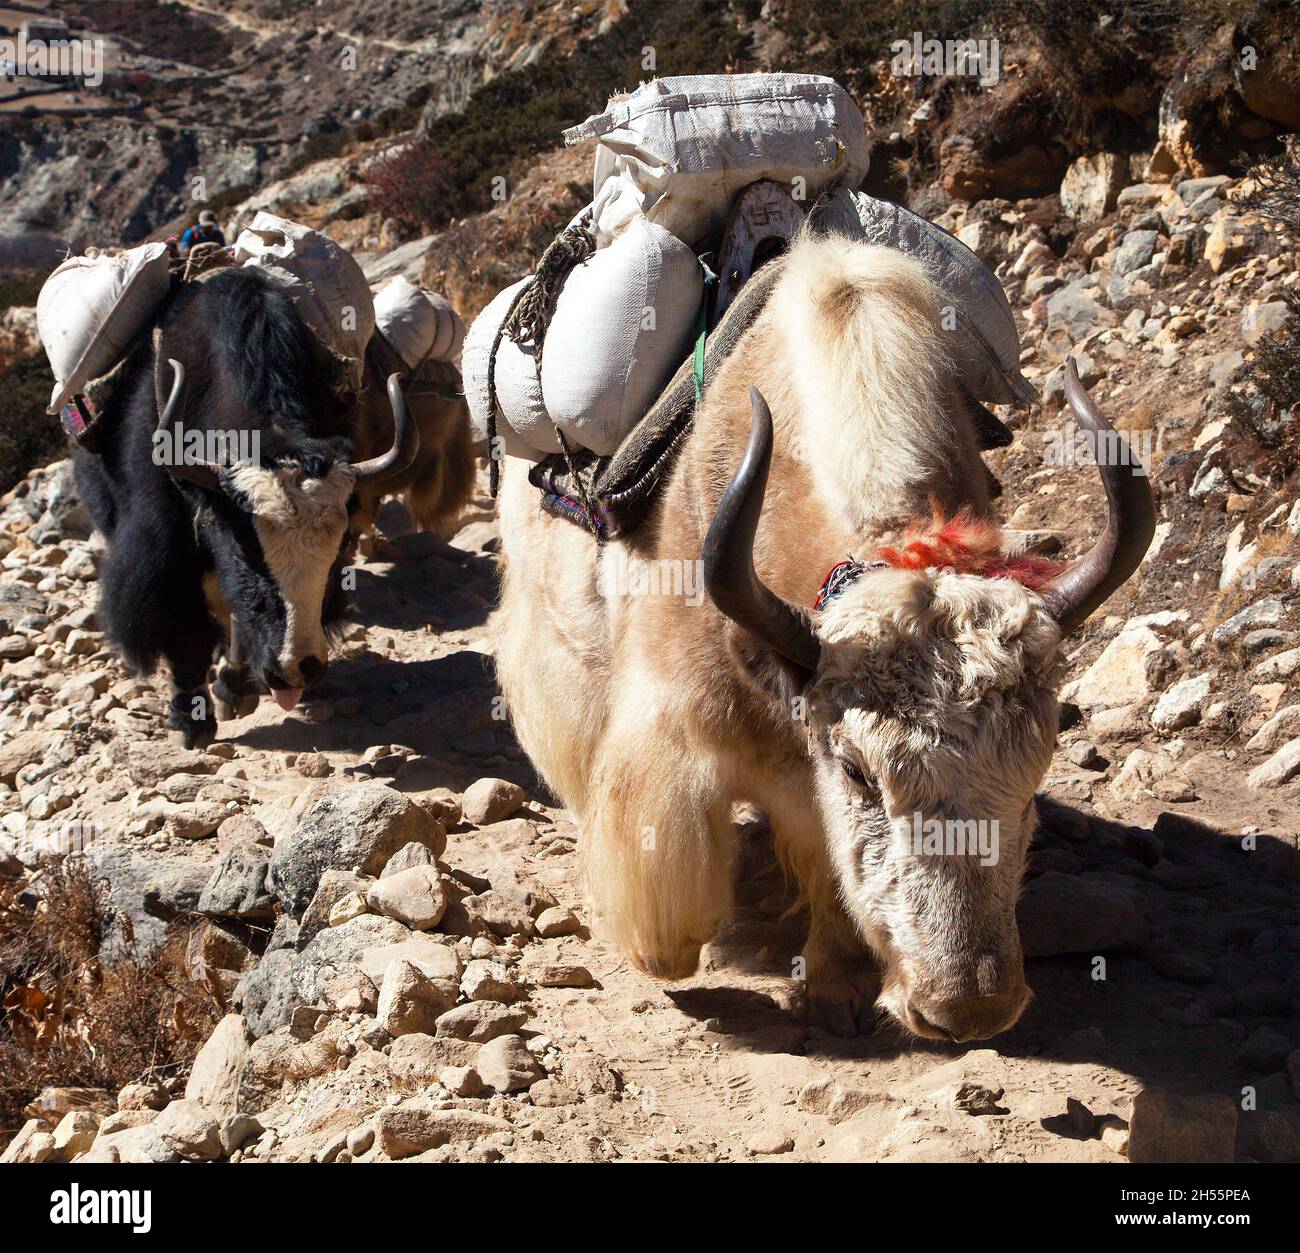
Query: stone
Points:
[360, 1140]
[502, 914]
[769, 1143]
[1261, 613]
[1276, 729]
[410, 1001]
[32, 1144]
[1084, 754]
[1279, 666]
[1180, 705]
[237, 1130]
[1172, 1129]
[357, 828]
[436, 960]
[334, 887]
[137, 1096]
[1231, 240]
[1265, 1051]
[1119, 675]
[126, 1120]
[22, 750]
[75, 1133]
[1113, 1133]
[488, 980]
[189, 1130]
[505, 1064]
[562, 975]
[416, 1060]
[1136, 250]
[491, 800]
[480, 1021]
[215, 1075]
[1260, 320]
[408, 856]
[150, 762]
[1084, 913]
[415, 897]
[461, 1080]
[239, 828]
[1278, 769]
[556, 921]
[237, 888]
[1075, 311]
[346, 908]
[1181, 967]
[414, 1126]
[1092, 185]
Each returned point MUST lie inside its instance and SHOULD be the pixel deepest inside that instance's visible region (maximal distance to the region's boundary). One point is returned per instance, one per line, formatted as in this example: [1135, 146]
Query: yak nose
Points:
[312, 670]
[963, 1018]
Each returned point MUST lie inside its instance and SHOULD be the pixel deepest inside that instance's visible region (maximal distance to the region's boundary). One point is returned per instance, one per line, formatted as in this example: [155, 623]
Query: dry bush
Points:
[74, 1017]
[412, 186]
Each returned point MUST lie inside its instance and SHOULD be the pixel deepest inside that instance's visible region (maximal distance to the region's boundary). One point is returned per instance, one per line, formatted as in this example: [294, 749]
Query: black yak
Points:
[223, 484]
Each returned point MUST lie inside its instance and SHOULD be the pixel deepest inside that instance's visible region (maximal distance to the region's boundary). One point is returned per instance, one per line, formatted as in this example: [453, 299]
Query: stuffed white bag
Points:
[419, 325]
[523, 426]
[324, 279]
[622, 324]
[92, 307]
[678, 150]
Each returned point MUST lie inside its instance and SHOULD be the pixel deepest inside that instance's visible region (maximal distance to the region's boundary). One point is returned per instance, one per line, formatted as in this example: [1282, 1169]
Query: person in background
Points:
[206, 231]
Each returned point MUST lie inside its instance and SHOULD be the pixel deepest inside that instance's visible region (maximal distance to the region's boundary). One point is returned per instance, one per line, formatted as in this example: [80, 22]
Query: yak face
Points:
[933, 717]
[275, 532]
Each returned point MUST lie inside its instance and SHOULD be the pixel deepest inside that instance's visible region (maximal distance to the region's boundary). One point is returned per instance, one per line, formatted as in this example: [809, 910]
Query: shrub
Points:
[71, 1016]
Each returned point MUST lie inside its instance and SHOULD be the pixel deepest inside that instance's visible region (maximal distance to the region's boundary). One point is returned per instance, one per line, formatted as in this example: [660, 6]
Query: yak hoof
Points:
[195, 735]
[241, 707]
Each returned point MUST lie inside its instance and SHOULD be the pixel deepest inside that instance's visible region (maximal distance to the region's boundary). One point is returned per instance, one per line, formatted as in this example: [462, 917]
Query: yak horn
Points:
[406, 440]
[729, 574]
[1130, 519]
[200, 473]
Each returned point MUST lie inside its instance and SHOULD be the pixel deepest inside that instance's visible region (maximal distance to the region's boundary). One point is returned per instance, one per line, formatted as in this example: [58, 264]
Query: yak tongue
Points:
[287, 697]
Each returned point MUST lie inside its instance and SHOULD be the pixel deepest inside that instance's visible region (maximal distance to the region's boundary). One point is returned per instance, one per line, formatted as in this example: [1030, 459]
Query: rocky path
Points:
[1163, 951]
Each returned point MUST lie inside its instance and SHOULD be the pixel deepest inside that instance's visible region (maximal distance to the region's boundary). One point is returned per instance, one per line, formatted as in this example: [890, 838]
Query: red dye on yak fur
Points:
[966, 545]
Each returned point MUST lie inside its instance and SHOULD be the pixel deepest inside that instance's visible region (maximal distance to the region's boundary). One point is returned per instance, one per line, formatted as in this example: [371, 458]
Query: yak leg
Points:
[840, 981]
[659, 843]
[190, 719]
[234, 691]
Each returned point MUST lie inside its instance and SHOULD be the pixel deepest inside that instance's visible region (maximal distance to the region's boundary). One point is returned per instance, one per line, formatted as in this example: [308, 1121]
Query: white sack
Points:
[523, 425]
[987, 342]
[92, 307]
[679, 149]
[324, 279]
[603, 366]
[419, 325]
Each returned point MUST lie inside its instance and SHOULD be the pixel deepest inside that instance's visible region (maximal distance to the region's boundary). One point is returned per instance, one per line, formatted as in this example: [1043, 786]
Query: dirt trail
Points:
[714, 1065]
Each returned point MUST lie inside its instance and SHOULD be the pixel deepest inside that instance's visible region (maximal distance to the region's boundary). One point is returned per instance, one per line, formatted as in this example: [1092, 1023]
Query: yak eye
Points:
[853, 772]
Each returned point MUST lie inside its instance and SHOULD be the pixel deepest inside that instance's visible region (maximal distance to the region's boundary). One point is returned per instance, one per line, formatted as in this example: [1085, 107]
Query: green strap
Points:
[702, 334]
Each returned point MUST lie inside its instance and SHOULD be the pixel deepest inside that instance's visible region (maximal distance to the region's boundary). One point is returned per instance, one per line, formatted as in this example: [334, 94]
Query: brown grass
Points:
[73, 1017]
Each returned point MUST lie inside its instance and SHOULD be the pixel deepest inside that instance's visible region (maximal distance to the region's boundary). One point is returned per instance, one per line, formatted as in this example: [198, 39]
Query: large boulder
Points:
[357, 828]
[1092, 184]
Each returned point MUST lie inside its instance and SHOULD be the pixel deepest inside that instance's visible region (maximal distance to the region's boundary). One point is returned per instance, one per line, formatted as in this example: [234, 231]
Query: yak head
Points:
[274, 524]
[928, 693]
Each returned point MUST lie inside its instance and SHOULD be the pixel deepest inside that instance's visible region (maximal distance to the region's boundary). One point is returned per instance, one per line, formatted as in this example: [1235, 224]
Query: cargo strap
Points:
[702, 336]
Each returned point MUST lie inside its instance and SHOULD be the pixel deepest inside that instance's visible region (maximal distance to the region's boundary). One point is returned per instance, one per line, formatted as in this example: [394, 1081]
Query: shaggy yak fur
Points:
[250, 566]
[931, 715]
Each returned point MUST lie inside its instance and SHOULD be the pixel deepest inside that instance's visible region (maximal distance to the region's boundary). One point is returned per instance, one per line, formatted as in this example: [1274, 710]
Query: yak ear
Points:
[784, 681]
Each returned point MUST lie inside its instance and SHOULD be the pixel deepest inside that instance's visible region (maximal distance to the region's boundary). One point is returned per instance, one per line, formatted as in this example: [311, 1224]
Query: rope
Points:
[529, 318]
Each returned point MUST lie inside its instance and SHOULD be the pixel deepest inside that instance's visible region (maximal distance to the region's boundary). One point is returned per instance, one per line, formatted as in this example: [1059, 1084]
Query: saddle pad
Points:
[610, 496]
